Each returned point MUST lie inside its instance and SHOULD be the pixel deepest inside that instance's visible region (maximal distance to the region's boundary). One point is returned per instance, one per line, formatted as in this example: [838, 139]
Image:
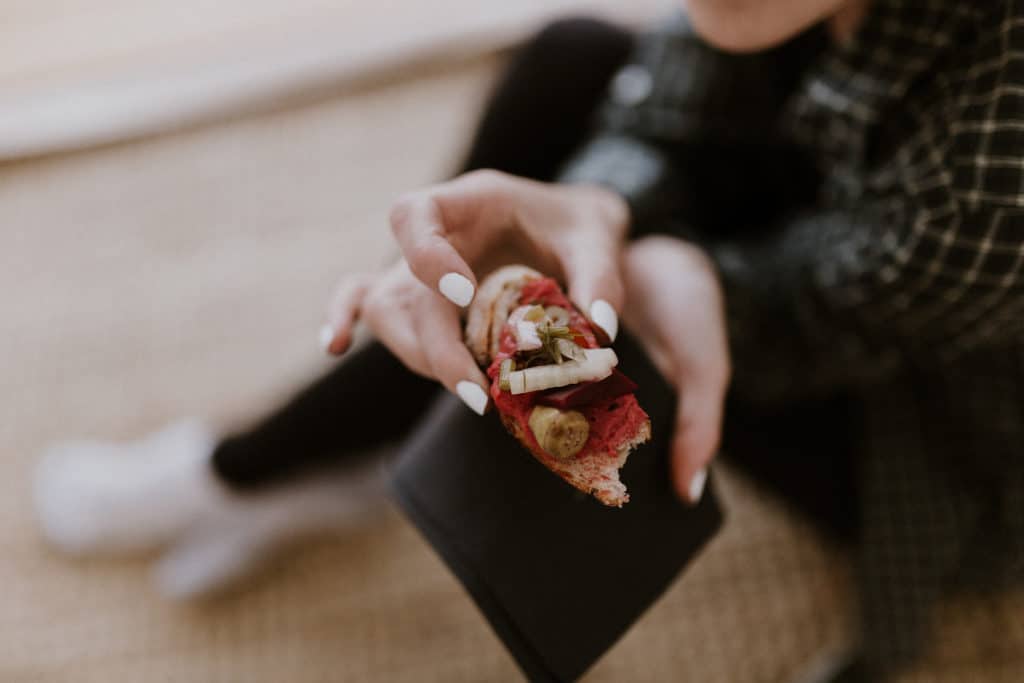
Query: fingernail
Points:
[326, 337]
[457, 289]
[697, 486]
[603, 315]
[472, 395]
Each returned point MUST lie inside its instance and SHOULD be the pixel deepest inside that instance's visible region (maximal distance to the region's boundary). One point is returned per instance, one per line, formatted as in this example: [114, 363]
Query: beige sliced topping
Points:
[534, 314]
[507, 366]
[561, 433]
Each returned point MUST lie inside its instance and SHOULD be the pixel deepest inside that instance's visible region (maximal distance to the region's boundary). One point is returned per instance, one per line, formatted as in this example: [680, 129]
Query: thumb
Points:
[695, 443]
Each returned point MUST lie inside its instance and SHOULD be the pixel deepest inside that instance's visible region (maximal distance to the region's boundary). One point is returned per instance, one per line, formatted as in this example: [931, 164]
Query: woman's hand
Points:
[674, 306]
[483, 219]
[414, 322]
[479, 221]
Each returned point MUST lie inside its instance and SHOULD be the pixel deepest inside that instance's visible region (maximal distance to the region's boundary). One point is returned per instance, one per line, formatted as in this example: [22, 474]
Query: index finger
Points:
[471, 208]
[418, 226]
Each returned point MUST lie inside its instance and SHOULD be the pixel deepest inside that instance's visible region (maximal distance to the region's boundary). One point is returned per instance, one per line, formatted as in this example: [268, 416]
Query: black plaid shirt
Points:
[903, 279]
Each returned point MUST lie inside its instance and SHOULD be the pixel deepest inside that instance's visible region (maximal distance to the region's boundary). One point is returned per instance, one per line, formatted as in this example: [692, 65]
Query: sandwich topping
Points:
[552, 380]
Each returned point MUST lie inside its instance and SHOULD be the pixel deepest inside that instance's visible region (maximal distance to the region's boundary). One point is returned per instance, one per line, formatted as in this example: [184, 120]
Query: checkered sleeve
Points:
[674, 93]
[920, 272]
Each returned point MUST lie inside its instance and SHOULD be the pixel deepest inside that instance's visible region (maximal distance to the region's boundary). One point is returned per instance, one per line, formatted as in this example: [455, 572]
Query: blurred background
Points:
[180, 184]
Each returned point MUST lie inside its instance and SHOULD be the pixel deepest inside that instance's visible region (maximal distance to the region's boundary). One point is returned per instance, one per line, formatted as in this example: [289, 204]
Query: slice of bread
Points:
[595, 474]
[593, 471]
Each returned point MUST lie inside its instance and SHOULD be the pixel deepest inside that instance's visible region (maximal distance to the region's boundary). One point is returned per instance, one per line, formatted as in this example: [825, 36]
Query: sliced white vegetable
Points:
[559, 316]
[524, 330]
[596, 365]
[527, 338]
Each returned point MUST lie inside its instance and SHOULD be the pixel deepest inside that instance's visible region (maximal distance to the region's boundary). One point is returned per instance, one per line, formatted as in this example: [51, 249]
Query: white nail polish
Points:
[326, 337]
[472, 395]
[603, 315]
[697, 485]
[457, 289]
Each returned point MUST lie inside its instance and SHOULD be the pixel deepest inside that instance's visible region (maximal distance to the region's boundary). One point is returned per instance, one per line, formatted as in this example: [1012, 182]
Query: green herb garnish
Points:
[549, 336]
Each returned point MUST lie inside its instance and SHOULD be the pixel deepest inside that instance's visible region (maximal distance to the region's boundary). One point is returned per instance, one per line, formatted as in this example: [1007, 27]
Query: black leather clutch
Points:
[559, 576]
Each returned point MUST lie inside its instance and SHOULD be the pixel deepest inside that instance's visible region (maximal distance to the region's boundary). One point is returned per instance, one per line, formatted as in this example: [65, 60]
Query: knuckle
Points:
[399, 301]
[371, 306]
[615, 211]
[598, 206]
[493, 188]
[351, 284]
[419, 254]
[486, 177]
[379, 300]
[402, 211]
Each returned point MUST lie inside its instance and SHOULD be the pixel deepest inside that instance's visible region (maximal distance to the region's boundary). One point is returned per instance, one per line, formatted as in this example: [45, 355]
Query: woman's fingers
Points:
[419, 226]
[343, 313]
[446, 228]
[440, 332]
[675, 304]
[421, 329]
[591, 255]
[595, 281]
[390, 316]
[697, 435]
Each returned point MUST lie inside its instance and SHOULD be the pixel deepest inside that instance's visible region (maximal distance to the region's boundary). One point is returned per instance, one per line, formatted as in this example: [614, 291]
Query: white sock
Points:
[236, 538]
[99, 498]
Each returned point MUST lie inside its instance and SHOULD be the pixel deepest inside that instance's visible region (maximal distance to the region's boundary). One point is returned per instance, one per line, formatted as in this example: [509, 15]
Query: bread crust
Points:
[497, 296]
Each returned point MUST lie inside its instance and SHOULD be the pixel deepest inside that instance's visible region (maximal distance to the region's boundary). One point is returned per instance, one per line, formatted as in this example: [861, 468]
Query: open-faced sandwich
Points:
[556, 390]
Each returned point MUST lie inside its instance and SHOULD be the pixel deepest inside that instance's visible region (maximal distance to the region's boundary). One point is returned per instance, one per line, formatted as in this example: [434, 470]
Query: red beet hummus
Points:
[612, 420]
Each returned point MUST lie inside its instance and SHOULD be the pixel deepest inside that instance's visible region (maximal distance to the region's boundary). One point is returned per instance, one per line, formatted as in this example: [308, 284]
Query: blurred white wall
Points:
[75, 73]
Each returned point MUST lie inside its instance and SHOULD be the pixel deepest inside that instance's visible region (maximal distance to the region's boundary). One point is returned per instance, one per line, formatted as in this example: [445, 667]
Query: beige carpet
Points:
[187, 275]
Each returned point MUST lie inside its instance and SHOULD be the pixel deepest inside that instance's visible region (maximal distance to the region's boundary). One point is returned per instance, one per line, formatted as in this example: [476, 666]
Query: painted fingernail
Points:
[457, 289]
[603, 315]
[326, 337]
[472, 395]
[697, 486]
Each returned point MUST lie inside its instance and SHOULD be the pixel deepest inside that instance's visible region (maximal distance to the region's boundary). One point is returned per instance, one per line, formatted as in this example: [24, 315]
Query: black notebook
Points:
[559, 576]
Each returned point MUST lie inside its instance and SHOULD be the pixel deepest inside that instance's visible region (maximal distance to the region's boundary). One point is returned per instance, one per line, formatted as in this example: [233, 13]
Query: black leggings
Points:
[541, 110]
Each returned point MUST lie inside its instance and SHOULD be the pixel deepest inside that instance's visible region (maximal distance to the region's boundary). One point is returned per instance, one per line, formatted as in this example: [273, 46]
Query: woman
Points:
[821, 200]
